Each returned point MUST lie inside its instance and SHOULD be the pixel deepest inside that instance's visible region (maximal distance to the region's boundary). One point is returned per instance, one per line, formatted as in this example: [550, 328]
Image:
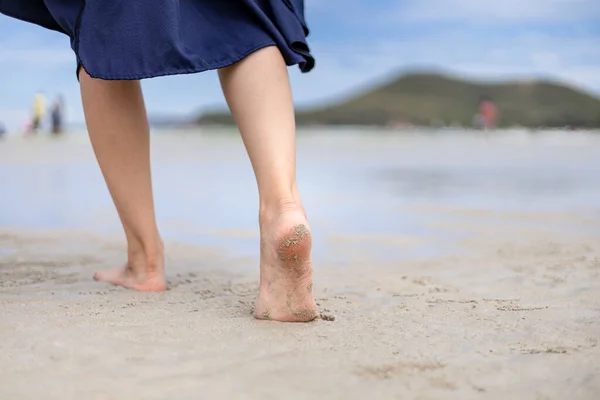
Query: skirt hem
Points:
[180, 71]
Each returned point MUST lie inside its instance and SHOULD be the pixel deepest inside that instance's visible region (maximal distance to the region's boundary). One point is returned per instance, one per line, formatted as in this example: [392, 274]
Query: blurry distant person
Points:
[478, 121]
[249, 42]
[57, 115]
[38, 111]
[2, 130]
[487, 113]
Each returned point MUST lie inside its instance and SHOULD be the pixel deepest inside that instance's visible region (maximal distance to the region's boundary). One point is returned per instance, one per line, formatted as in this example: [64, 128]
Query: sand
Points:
[520, 319]
[511, 311]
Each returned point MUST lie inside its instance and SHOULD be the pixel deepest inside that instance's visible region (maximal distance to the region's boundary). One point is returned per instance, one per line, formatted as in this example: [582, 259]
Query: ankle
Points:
[146, 264]
[148, 258]
[269, 210]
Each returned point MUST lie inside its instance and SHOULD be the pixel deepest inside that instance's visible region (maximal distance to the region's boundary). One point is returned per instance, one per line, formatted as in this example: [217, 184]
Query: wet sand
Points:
[489, 294]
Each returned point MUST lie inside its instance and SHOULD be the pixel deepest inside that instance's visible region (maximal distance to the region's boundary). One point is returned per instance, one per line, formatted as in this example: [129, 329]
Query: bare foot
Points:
[127, 278]
[285, 292]
[137, 275]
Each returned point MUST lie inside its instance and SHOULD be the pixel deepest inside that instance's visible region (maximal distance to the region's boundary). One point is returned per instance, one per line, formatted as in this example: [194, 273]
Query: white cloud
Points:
[33, 55]
[480, 11]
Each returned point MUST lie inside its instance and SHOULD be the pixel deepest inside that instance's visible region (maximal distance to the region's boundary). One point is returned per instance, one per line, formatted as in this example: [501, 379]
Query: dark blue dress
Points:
[136, 39]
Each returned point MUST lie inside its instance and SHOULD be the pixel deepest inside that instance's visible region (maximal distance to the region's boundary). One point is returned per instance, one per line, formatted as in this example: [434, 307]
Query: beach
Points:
[454, 264]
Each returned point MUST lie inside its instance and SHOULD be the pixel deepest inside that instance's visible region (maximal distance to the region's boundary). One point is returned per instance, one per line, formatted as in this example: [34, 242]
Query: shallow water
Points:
[355, 184]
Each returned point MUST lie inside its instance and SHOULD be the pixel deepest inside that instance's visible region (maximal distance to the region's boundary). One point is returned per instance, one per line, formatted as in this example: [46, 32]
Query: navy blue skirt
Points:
[136, 39]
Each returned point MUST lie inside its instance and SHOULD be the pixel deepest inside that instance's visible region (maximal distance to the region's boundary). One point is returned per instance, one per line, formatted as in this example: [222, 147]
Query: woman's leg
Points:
[118, 128]
[258, 92]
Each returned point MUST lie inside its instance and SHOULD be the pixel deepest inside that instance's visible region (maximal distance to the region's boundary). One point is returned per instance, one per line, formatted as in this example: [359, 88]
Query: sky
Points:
[357, 43]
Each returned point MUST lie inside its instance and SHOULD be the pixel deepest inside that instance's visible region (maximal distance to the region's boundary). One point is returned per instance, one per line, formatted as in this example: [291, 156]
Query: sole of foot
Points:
[285, 292]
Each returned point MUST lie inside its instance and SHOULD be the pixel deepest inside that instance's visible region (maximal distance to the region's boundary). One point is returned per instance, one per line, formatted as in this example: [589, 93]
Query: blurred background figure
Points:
[487, 117]
[2, 130]
[38, 112]
[57, 115]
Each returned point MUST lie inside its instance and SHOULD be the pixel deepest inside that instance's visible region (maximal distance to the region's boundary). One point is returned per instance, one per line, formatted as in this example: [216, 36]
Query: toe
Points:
[114, 276]
[99, 276]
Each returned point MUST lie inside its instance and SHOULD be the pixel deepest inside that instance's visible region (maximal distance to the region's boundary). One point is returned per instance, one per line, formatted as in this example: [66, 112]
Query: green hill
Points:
[425, 99]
